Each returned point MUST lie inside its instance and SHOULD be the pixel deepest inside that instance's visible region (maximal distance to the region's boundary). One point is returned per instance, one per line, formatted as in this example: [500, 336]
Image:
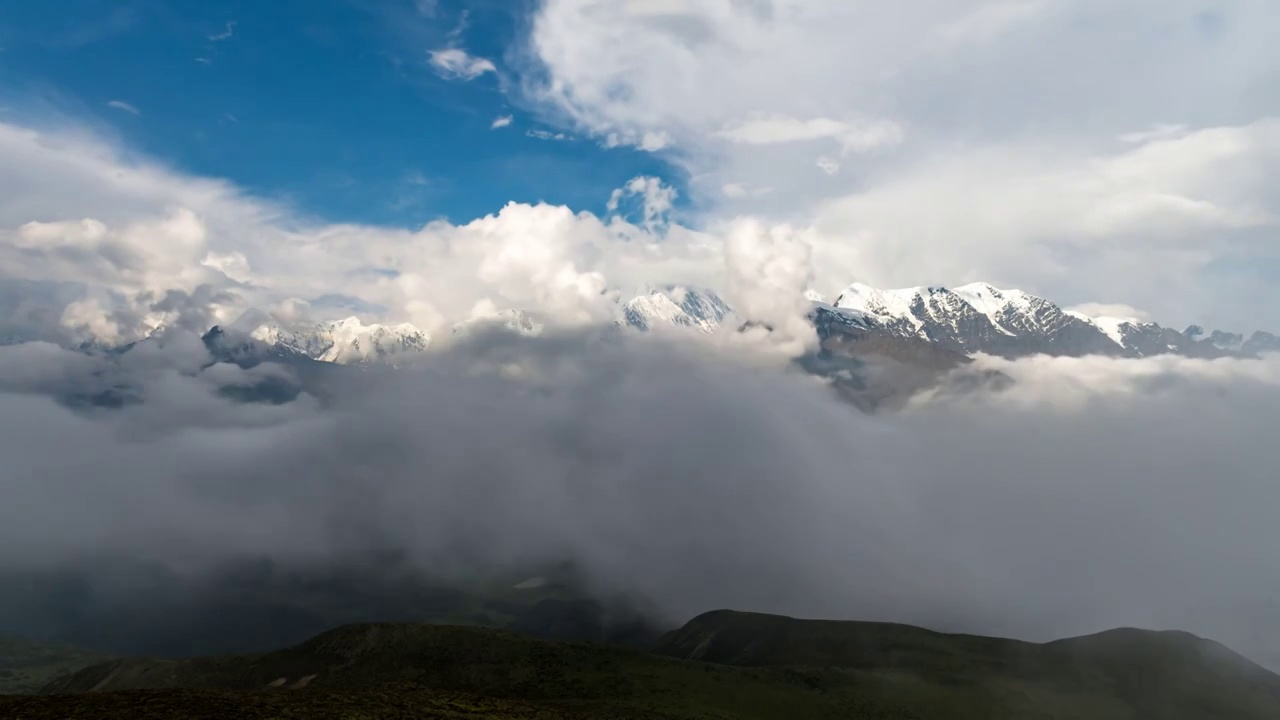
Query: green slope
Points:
[26, 666]
[1119, 673]
[720, 665]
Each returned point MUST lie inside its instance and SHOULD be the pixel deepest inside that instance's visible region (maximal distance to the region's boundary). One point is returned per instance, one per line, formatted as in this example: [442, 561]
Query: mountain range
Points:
[878, 348]
[971, 319]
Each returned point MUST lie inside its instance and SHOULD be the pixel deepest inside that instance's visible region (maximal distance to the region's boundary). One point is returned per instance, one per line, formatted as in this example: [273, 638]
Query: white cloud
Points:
[852, 136]
[123, 232]
[828, 165]
[653, 141]
[456, 64]
[657, 199]
[1162, 131]
[542, 134]
[1140, 226]
[1013, 107]
[1111, 310]
[124, 106]
[226, 34]
[769, 270]
[736, 190]
[500, 122]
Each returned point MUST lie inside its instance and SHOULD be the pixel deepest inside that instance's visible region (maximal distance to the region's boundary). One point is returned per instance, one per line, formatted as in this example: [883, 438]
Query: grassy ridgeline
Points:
[26, 666]
[720, 665]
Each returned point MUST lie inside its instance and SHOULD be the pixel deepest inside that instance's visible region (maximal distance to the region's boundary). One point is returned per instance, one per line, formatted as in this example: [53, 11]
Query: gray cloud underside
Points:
[1093, 493]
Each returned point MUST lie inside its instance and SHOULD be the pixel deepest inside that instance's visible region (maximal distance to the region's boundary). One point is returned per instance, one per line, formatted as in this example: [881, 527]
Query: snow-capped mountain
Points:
[701, 310]
[933, 325]
[983, 318]
[346, 342]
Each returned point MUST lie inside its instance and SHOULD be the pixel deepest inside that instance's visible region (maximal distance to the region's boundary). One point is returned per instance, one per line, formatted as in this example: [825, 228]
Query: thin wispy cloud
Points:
[500, 122]
[464, 21]
[226, 34]
[457, 64]
[124, 107]
[416, 177]
[547, 135]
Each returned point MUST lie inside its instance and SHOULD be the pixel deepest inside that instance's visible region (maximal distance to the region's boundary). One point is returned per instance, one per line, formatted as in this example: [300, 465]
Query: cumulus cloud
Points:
[1092, 493]
[84, 227]
[769, 271]
[457, 64]
[656, 199]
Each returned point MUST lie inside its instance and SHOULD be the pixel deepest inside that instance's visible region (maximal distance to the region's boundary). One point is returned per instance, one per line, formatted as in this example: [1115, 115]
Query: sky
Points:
[331, 105]
[424, 161]
[170, 164]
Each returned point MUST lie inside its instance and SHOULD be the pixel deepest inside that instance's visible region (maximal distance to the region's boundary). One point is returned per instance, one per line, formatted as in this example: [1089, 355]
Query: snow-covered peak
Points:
[345, 341]
[978, 317]
[984, 297]
[994, 302]
[896, 304]
[1113, 327]
[700, 310]
[351, 341]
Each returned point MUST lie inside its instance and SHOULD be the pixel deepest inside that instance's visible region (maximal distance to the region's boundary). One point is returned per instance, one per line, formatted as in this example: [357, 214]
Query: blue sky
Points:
[331, 105]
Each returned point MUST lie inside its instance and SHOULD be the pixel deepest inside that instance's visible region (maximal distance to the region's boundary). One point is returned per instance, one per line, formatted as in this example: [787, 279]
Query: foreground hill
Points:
[26, 666]
[1144, 673]
[720, 665]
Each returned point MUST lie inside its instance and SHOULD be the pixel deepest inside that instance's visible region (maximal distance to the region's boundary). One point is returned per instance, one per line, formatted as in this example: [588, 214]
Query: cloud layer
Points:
[1093, 493]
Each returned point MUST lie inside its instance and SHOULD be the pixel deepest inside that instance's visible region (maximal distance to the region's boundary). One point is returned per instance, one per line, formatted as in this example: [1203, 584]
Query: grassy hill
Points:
[26, 666]
[720, 665]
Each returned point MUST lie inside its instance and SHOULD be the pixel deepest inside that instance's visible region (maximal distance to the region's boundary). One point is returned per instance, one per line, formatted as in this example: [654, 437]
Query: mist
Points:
[1091, 493]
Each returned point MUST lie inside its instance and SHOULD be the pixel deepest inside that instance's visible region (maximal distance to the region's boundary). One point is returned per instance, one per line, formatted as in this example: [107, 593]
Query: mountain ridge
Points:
[968, 319]
[720, 664]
